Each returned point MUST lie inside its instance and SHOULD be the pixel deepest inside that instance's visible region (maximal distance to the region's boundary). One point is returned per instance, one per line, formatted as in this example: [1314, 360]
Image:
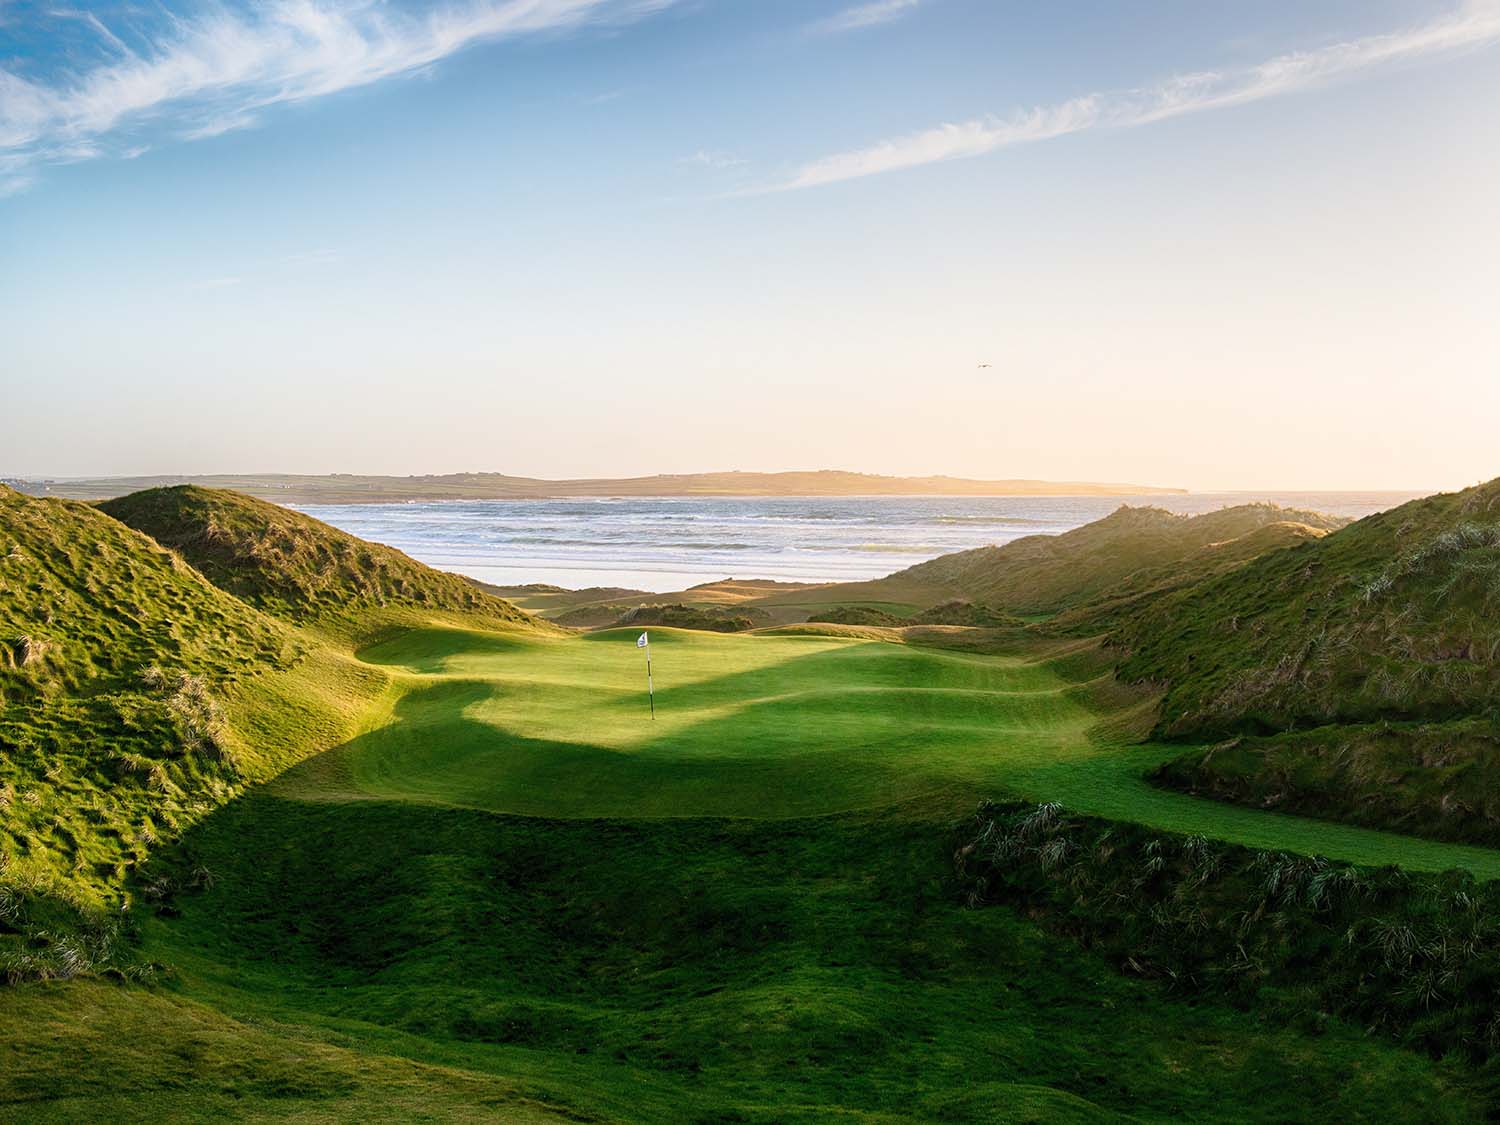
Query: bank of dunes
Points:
[293, 566]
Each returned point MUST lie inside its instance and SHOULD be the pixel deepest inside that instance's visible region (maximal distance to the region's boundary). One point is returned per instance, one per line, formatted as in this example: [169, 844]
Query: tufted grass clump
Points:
[1414, 956]
[295, 567]
[1393, 618]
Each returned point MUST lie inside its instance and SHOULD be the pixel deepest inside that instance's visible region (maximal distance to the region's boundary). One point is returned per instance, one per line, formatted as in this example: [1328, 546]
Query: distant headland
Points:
[345, 488]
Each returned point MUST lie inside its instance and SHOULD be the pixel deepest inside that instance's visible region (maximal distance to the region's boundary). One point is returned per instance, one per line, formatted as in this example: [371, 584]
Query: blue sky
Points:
[1216, 245]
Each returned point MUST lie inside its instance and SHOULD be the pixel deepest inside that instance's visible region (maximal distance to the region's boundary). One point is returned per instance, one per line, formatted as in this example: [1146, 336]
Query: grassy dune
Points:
[295, 567]
[1396, 617]
[1093, 572]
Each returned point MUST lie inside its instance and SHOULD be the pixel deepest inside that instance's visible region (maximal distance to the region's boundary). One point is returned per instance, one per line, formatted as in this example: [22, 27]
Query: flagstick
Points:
[650, 689]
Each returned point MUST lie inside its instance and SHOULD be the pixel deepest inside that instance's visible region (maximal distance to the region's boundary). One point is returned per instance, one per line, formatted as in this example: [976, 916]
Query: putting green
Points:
[775, 727]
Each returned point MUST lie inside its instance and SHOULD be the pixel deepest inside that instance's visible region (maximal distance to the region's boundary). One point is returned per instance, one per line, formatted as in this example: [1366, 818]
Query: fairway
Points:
[773, 727]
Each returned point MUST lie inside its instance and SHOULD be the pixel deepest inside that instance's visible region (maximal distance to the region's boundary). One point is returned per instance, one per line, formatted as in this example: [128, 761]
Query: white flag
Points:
[640, 642]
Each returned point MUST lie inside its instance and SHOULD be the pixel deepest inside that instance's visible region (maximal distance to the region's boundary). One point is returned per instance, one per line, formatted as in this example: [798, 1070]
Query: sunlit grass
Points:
[776, 726]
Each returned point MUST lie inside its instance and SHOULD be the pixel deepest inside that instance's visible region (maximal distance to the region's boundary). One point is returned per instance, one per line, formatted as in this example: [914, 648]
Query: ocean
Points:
[670, 543]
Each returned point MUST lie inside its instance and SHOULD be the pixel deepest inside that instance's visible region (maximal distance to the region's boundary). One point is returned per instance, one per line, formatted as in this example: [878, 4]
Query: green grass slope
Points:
[1394, 617]
[294, 566]
[1122, 600]
[136, 697]
[115, 662]
[1048, 573]
[1377, 647]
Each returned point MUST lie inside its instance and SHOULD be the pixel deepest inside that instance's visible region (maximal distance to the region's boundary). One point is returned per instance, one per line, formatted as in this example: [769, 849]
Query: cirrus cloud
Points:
[1475, 25]
[865, 15]
[208, 70]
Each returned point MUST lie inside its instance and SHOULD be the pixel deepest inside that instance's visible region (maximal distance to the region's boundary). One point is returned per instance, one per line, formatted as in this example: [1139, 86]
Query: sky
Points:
[1204, 245]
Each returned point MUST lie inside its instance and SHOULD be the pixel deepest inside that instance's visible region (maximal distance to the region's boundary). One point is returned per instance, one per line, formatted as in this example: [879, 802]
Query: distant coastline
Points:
[344, 488]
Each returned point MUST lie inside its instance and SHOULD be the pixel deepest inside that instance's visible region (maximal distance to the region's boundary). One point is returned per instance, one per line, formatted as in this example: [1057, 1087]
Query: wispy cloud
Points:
[212, 69]
[1473, 26]
[705, 158]
[311, 258]
[864, 15]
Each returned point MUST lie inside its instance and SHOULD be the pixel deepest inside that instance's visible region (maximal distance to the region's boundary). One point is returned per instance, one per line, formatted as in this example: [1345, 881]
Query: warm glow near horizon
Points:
[1238, 248]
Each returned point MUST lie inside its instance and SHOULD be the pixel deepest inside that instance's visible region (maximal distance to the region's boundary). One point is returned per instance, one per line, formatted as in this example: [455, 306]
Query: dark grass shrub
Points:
[1413, 956]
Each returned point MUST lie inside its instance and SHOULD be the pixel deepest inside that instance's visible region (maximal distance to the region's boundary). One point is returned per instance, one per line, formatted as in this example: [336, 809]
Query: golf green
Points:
[778, 726]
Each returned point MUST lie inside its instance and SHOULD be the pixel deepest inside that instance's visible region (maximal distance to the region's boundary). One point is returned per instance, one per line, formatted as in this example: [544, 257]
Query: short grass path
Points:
[777, 727]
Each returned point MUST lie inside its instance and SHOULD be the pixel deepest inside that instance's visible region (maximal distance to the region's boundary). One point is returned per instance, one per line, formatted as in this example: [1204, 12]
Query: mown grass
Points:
[778, 726]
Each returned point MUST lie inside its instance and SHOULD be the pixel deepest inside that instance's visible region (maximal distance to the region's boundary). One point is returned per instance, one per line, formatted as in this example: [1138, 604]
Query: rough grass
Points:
[112, 690]
[1395, 617]
[86, 605]
[1358, 675]
[1429, 779]
[135, 698]
[293, 566]
[1131, 556]
[1414, 957]
[654, 970]
[955, 612]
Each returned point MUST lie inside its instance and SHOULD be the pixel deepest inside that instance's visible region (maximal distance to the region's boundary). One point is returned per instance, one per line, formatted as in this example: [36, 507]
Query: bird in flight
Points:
[986, 365]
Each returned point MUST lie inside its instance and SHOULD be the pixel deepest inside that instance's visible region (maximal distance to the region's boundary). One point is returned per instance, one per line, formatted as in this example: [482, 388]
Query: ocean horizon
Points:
[661, 544]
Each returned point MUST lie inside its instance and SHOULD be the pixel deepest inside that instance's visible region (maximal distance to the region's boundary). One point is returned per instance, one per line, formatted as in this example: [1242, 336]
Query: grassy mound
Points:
[1049, 573]
[1123, 600]
[857, 615]
[86, 605]
[1395, 617]
[1417, 957]
[116, 662]
[292, 565]
[136, 697]
[1437, 780]
[955, 612]
[1357, 676]
[713, 619]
